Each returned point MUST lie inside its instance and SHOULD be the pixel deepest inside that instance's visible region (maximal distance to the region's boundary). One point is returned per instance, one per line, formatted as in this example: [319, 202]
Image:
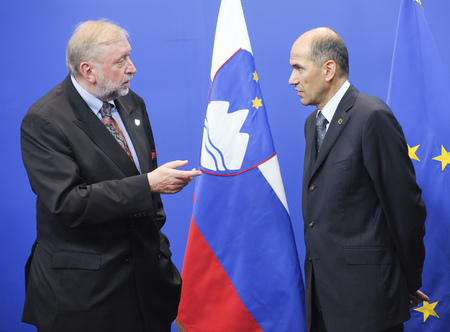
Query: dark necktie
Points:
[114, 128]
[321, 130]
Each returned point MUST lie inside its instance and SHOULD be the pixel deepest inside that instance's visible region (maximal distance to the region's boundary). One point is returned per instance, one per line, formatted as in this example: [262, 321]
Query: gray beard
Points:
[106, 90]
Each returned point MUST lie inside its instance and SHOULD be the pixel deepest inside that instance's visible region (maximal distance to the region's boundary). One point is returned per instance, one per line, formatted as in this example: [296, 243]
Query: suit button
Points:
[311, 224]
[310, 259]
[312, 187]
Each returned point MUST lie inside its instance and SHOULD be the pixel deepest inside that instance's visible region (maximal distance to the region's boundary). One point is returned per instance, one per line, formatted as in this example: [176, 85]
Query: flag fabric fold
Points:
[241, 270]
[418, 96]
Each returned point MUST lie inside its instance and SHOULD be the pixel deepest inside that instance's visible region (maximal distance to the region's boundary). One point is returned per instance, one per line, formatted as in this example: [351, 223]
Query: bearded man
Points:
[100, 261]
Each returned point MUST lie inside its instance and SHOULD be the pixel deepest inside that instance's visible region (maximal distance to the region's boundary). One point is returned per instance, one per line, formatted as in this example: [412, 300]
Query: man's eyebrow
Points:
[124, 56]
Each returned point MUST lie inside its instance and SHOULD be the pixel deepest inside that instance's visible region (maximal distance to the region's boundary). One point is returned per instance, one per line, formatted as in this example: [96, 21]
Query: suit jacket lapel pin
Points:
[153, 155]
[137, 122]
[340, 120]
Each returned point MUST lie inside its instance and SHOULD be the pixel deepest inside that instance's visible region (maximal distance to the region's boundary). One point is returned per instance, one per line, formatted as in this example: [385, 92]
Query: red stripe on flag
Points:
[209, 301]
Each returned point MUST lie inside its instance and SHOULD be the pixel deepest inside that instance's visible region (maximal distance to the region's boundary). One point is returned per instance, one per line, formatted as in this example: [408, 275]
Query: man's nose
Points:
[131, 68]
[293, 80]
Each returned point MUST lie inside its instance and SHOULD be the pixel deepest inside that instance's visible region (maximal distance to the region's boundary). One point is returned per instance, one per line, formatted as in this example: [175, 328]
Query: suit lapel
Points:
[134, 123]
[93, 127]
[310, 144]
[337, 126]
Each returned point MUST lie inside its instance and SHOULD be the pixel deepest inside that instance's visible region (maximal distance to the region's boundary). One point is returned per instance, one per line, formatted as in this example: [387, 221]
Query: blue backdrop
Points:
[172, 43]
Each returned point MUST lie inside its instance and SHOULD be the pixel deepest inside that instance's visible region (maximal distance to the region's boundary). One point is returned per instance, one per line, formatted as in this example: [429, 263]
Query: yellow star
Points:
[427, 310]
[444, 158]
[419, 2]
[412, 152]
[255, 77]
[257, 103]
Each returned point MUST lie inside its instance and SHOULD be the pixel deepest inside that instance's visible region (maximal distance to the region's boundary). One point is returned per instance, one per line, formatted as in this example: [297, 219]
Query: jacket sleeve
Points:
[387, 161]
[64, 190]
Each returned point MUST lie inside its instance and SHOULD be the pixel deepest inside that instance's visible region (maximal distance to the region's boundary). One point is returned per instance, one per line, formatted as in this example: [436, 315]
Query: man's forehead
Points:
[301, 45]
[298, 55]
[117, 48]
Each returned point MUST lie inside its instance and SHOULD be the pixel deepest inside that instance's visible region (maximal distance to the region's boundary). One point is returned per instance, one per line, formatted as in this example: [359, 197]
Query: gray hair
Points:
[87, 41]
[330, 47]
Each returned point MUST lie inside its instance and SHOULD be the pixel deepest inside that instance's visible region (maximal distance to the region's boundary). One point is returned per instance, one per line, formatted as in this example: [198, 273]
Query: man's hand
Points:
[166, 179]
[417, 298]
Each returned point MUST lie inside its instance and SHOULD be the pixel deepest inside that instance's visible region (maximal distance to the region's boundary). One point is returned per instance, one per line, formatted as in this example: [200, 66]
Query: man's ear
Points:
[330, 70]
[88, 71]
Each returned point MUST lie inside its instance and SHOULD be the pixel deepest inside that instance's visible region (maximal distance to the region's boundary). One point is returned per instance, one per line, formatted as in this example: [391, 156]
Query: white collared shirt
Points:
[330, 108]
[95, 105]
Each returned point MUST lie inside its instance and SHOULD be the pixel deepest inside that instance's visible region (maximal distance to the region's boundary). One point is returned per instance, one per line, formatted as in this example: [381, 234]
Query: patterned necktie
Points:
[114, 128]
[321, 130]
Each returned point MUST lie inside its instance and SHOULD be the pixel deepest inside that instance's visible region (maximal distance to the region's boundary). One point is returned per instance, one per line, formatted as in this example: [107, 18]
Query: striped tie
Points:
[114, 128]
[321, 129]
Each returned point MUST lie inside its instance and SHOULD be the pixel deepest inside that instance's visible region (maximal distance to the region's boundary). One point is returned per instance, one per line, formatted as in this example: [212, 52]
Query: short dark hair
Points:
[330, 47]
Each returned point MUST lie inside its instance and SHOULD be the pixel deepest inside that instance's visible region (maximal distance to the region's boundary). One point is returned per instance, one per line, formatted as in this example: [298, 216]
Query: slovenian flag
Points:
[241, 270]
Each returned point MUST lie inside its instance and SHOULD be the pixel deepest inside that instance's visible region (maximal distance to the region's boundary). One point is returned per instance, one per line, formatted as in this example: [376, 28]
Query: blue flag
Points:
[241, 270]
[418, 95]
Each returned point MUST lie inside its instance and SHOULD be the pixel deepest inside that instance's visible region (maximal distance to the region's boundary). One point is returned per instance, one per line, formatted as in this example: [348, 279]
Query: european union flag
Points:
[241, 270]
[418, 95]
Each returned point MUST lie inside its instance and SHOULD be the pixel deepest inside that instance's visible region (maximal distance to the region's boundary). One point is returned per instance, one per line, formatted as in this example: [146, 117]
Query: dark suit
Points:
[363, 218]
[100, 262]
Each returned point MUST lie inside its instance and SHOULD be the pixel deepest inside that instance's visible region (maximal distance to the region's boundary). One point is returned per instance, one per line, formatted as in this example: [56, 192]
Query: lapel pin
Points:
[340, 121]
[137, 122]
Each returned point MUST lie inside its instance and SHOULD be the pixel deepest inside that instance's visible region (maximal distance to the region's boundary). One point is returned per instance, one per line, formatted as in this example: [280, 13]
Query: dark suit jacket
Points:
[363, 218]
[100, 262]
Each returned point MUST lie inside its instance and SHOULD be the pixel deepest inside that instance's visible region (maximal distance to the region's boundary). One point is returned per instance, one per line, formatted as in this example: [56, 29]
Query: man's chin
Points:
[120, 93]
[124, 91]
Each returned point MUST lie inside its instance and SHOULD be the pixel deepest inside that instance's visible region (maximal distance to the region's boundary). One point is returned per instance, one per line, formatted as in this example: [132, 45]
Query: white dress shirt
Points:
[330, 108]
